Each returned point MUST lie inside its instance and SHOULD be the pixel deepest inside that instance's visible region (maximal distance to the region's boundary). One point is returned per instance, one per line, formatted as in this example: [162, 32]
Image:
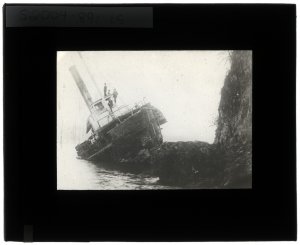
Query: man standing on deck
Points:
[115, 95]
[110, 104]
[105, 89]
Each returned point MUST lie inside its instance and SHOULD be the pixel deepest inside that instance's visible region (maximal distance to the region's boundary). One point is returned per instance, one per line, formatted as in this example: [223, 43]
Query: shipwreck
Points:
[117, 131]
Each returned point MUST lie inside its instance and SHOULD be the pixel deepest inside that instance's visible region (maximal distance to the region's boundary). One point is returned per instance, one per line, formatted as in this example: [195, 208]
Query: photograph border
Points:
[35, 211]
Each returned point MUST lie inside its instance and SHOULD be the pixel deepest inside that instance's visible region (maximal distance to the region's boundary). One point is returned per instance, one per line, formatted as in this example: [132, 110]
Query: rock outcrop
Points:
[187, 163]
[234, 131]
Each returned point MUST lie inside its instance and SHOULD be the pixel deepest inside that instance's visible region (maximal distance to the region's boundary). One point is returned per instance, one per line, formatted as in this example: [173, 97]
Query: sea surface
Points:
[78, 174]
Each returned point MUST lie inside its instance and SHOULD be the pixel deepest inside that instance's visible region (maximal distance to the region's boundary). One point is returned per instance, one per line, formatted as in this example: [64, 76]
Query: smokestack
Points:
[81, 86]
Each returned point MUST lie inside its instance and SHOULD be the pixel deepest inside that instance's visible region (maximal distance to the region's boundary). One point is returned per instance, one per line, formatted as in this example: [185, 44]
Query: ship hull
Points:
[126, 138]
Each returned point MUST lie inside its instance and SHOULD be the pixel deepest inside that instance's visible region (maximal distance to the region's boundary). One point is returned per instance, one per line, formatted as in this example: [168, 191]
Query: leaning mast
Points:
[90, 74]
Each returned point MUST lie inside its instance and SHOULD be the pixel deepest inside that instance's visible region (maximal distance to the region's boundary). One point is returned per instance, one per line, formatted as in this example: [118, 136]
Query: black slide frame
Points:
[36, 211]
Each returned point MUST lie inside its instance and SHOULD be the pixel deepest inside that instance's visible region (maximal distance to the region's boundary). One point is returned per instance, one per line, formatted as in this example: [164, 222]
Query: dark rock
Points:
[234, 131]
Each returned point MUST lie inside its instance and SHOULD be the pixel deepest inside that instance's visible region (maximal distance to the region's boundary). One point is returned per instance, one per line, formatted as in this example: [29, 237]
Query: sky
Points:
[184, 85]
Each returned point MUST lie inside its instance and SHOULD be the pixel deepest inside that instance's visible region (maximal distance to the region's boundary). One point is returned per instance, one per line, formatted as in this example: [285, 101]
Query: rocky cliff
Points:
[234, 131]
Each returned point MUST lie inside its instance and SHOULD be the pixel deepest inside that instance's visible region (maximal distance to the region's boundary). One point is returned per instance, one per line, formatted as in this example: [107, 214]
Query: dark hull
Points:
[125, 136]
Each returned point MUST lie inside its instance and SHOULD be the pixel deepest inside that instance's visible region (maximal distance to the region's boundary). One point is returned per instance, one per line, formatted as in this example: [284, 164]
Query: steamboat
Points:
[115, 132]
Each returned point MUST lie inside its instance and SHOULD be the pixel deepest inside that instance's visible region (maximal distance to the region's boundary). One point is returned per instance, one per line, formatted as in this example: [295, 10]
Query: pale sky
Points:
[184, 85]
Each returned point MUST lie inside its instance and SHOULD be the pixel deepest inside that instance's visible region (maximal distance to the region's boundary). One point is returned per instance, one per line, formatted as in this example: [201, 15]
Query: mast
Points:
[85, 93]
[92, 77]
[82, 88]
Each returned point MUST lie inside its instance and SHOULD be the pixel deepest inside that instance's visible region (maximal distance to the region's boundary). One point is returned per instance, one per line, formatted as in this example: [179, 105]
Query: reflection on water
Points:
[77, 174]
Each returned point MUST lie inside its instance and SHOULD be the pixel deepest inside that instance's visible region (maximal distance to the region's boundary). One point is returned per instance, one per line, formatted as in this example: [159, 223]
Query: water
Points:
[77, 174]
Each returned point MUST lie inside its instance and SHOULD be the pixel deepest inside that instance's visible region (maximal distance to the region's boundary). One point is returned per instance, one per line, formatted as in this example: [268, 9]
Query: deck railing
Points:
[118, 112]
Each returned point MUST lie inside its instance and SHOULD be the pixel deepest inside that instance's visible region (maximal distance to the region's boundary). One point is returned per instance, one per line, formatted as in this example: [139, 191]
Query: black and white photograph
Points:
[149, 122]
[135, 120]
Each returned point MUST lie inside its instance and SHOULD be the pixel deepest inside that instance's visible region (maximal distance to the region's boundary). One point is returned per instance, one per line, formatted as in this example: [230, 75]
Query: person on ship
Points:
[105, 89]
[115, 95]
[110, 104]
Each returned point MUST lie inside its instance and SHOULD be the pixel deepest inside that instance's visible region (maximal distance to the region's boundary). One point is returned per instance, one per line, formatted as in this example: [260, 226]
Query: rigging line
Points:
[94, 81]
